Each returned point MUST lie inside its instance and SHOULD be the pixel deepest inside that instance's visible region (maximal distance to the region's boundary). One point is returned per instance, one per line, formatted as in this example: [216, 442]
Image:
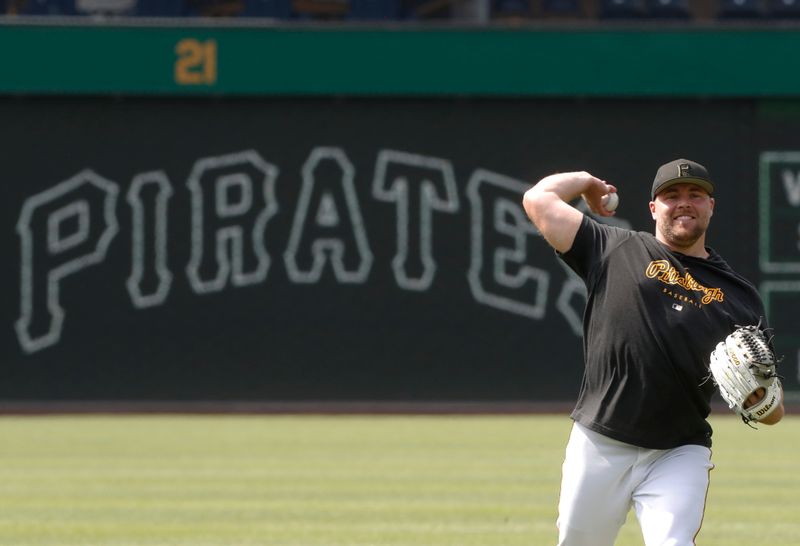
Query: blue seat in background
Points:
[735, 9]
[374, 10]
[671, 9]
[622, 9]
[561, 8]
[509, 8]
[783, 8]
[147, 8]
[275, 9]
[159, 8]
[47, 7]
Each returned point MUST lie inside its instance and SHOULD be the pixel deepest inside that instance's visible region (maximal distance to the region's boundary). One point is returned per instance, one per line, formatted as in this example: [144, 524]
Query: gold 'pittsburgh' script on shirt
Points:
[664, 272]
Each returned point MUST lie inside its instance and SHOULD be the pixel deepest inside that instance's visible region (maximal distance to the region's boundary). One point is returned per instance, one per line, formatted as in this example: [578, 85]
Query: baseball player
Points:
[657, 306]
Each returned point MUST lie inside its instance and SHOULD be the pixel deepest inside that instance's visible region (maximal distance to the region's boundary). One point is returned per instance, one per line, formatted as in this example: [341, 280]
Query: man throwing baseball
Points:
[657, 307]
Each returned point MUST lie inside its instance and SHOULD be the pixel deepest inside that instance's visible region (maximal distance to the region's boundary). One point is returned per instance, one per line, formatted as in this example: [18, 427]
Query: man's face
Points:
[682, 213]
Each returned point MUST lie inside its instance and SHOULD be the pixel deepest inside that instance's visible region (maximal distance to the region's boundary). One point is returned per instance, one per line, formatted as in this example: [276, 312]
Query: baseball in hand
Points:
[610, 201]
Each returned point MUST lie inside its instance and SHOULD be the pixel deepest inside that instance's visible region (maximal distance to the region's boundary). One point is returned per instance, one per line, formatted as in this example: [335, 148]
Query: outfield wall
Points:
[264, 246]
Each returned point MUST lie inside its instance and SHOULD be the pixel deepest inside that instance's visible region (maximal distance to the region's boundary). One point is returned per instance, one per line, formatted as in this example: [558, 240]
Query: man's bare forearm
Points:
[547, 205]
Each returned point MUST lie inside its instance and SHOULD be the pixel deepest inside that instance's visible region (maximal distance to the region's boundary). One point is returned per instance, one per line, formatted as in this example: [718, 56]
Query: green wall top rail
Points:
[274, 59]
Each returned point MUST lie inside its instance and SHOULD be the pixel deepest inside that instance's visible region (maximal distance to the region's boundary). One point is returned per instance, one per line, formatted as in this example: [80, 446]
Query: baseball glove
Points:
[741, 365]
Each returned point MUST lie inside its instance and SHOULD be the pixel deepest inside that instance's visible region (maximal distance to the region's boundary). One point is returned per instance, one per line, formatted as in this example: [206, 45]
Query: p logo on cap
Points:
[681, 171]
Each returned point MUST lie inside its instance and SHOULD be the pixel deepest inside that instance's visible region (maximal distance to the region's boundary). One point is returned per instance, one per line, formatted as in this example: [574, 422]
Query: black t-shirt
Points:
[652, 318]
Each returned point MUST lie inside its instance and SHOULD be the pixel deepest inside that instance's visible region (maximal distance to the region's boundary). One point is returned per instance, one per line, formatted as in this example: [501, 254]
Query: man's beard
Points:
[681, 237]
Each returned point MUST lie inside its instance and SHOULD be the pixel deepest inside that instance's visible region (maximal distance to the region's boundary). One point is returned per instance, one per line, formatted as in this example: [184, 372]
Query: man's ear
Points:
[653, 209]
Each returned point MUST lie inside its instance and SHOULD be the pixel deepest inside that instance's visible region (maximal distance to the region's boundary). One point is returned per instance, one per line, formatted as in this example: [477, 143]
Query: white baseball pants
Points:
[603, 478]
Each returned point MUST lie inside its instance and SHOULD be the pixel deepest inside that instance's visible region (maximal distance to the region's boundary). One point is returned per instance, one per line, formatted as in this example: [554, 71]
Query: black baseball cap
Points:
[681, 171]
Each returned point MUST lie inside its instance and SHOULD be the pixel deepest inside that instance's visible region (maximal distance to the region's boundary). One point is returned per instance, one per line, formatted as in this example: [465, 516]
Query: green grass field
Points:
[344, 481]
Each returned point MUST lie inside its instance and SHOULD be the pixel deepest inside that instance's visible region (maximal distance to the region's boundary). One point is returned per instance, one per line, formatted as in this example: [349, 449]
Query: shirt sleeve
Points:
[593, 242]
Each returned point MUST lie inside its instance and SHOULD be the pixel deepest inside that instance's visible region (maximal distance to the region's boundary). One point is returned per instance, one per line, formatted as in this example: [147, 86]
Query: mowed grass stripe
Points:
[336, 481]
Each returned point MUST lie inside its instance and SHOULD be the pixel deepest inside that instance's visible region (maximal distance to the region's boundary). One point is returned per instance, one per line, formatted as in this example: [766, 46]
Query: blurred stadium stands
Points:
[460, 10]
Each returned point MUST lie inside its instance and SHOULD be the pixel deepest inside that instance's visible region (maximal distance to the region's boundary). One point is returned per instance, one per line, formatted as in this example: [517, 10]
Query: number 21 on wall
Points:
[196, 63]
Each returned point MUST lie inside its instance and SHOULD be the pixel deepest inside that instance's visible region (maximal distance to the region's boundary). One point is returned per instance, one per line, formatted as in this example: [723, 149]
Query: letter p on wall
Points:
[62, 230]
